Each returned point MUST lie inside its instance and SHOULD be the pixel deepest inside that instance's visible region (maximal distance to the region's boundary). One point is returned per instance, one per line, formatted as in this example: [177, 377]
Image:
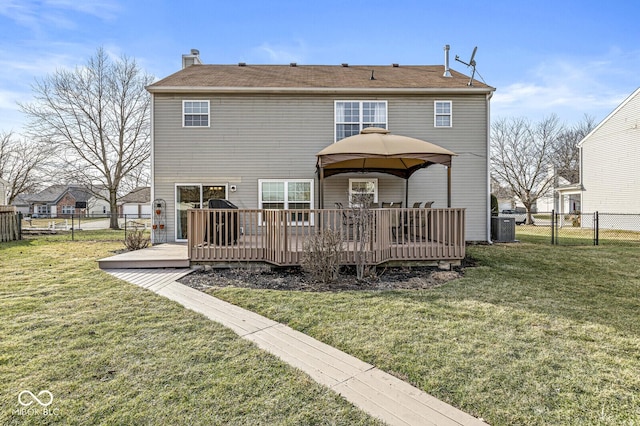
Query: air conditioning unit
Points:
[503, 229]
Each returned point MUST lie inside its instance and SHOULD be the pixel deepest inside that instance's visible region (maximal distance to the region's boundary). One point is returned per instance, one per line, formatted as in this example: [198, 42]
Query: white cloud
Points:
[569, 88]
[280, 54]
[38, 16]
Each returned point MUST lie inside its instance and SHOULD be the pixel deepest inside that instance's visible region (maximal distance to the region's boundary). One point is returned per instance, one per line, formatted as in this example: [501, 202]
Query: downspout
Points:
[580, 182]
[488, 196]
[151, 157]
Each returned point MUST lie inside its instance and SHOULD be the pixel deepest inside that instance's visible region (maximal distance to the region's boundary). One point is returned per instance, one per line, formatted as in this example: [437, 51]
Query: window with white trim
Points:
[442, 114]
[353, 116]
[367, 186]
[287, 195]
[43, 210]
[195, 113]
[68, 209]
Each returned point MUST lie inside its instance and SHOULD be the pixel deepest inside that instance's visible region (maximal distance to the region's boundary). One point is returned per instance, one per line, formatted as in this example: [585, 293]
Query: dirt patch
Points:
[296, 279]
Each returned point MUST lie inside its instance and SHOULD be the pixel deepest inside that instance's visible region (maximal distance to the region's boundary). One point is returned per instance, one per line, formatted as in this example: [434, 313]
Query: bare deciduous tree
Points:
[566, 154]
[521, 153]
[362, 221]
[21, 164]
[97, 117]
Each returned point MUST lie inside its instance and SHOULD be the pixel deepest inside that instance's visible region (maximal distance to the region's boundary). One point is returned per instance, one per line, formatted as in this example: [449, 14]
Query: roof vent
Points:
[242, 64]
[344, 64]
[395, 65]
[293, 64]
[447, 73]
[372, 77]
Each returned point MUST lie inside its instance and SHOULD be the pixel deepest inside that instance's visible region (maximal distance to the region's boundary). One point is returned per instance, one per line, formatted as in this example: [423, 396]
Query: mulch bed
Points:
[393, 278]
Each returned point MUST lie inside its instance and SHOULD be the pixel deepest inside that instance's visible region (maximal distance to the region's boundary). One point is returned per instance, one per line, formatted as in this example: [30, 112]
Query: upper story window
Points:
[442, 114]
[353, 116]
[195, 113]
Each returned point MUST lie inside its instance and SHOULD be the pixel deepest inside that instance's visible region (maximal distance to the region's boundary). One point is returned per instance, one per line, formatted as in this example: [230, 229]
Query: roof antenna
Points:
[471, 63]
[372, 77]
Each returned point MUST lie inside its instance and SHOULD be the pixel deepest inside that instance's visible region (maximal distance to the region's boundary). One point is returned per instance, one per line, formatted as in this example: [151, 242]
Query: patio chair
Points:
[386, 205]
[428, 204]
[417, 205]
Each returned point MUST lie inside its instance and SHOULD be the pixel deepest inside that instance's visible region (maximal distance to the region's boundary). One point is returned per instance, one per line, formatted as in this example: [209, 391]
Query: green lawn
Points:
[534, 334]
[112, 353]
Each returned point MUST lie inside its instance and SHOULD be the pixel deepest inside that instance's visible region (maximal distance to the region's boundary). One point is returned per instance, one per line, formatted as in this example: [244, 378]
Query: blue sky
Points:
[565, 57]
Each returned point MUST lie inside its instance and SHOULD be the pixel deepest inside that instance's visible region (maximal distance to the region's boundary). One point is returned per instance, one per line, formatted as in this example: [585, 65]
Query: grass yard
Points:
[112, 353]
[534, 334]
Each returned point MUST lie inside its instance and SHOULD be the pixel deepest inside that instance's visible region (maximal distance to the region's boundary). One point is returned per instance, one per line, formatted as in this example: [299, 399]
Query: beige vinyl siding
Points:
[610, 173]
[277, 137]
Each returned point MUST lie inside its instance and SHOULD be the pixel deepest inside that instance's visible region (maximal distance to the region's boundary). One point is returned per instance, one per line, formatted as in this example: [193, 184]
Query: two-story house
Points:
[250, 134]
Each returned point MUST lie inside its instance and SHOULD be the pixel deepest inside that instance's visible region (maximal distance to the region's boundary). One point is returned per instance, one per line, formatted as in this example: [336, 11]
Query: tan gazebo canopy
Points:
[376, 150]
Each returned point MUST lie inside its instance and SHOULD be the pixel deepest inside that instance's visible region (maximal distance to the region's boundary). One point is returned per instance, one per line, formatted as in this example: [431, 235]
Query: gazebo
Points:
[376, 150]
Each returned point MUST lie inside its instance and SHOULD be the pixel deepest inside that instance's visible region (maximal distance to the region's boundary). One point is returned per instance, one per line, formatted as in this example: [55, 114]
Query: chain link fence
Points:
[582, 229]
[80, 227]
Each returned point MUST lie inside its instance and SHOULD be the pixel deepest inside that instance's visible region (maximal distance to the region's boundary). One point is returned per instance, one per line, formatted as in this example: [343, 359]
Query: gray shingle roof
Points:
[54, 192]
[138, 195]
[316, 77]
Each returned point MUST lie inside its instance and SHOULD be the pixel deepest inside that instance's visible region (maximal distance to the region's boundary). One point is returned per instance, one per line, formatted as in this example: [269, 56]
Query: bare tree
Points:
[566, 154]
[521, 153]
[362, 221]
[21, 164]
[97, 117]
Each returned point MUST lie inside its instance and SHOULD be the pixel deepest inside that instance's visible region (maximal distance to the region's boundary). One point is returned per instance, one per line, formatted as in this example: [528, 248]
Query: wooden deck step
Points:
[159, 256]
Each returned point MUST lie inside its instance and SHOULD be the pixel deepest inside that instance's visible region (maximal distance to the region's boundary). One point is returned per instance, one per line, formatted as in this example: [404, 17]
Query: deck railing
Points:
[278, 236]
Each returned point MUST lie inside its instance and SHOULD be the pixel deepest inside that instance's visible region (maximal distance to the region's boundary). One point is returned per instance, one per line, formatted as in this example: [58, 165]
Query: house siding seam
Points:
[274, 136]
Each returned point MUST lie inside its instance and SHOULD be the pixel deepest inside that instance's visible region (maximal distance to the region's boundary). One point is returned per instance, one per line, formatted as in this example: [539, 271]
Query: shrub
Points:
[494, 205]
[136, 240]
[321, 255]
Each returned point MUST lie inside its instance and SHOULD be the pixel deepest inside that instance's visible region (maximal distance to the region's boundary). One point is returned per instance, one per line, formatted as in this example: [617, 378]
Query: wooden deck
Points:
[159, 256]
[278, 236]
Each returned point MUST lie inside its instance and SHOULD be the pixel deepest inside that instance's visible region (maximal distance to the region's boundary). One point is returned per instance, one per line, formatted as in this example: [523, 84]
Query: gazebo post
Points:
[449, 187]
[321, 190]
[406, 193]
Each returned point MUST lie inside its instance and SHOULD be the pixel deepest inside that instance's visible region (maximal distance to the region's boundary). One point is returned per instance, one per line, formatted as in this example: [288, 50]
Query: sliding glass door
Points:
[193, 196]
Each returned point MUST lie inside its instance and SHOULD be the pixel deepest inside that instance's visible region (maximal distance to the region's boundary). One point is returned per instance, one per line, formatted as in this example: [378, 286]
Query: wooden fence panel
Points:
[9, 224]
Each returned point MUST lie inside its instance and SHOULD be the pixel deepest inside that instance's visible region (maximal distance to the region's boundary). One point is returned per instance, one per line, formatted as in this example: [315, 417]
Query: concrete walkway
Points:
[380, 394]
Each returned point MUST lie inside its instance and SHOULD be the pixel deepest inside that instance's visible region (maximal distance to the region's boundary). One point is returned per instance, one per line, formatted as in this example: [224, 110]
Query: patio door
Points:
[193, 196]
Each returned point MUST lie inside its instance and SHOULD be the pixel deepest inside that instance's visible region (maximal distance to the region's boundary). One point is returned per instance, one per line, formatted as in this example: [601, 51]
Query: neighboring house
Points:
[4, 189]
[250, 134]
[60, 201]
[563, 197]
[136, 204]
[21, 203]
[609, 172]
